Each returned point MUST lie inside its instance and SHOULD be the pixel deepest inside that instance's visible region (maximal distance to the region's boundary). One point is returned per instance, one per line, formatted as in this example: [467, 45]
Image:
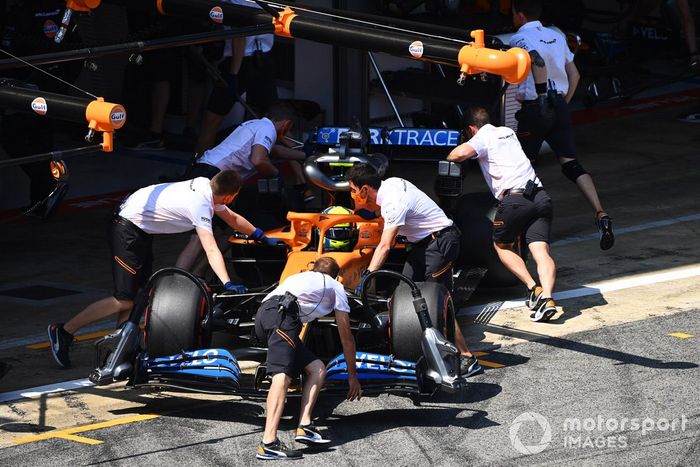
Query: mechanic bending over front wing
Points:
[301, 298]
[157, 209]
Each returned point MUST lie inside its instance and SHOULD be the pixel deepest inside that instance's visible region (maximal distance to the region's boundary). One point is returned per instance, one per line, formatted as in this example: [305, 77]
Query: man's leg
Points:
[275, 405]
[208, 130]
[546, 269]
[584, 182]
[97, 311]
[514, 263]
[315, 374]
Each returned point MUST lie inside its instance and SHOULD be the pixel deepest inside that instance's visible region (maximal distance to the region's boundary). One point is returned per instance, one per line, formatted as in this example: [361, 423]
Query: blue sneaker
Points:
[469, 366]
[60, 341]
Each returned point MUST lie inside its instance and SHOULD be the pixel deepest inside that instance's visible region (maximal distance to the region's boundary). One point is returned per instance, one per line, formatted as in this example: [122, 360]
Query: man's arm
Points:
[342, 319]
[539, 69]
[216, 260]
[461, 153]
[382, 251]
[237, 53]
[236, 221]
[261, 160]
[280, 151]
[573, 76]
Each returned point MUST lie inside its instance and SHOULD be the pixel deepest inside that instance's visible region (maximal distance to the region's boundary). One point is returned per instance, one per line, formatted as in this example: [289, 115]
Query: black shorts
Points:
[432, 259]
[256, 78]
[280, 331]
[201, 170]
[533, 129]
[518, 215]
[132, 258]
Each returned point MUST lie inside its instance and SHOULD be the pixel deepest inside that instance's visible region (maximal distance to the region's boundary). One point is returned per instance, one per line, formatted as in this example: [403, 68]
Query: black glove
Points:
[546, 107]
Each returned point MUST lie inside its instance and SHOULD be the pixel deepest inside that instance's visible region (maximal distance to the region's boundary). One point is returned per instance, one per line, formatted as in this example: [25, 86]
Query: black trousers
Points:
[433, 259]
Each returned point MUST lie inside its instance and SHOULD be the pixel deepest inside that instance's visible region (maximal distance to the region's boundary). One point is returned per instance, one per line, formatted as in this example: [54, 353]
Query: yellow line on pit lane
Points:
[82, 337]
[70, 432]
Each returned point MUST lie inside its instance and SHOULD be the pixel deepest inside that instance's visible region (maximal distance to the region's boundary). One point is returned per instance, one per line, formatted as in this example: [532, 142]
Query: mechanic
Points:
[433, 239]
[247, 150]
[300, 299]
[545, 97]
[247, 67]
[525, 208]
[157, 209]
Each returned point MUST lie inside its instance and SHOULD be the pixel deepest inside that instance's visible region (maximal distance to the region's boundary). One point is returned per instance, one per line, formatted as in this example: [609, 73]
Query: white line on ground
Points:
[33, 393]
[591, 289]
[630, 229]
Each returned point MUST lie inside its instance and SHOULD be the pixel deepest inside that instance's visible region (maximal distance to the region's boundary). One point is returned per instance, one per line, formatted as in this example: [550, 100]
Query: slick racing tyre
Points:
[404, 327]
[174, 316]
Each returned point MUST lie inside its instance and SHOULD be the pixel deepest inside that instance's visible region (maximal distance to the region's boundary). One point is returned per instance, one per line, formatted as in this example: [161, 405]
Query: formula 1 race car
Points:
[403, 330]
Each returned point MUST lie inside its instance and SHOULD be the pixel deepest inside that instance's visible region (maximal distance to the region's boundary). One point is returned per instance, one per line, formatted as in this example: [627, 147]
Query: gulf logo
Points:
[416, 49]
[216, 14]
[117, 117]
[39, 106]
[50, 28]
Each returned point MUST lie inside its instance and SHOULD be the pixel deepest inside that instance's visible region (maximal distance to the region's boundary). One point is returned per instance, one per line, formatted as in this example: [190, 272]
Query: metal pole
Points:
[51, 156]
[442, 73]
[138, 46]
[386, 90]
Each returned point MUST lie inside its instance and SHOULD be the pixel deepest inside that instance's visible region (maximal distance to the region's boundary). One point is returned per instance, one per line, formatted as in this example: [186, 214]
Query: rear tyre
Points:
[474, 217]
[404, 327]
[174, 317]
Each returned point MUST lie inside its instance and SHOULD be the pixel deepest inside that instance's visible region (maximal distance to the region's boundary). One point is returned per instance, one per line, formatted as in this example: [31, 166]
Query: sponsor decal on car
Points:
[39, 106]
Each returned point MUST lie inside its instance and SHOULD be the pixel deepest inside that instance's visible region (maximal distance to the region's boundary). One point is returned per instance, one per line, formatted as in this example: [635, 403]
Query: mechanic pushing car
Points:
[299, 299]
[524, 208]
[545, 97]
[433, 239]
[158, 209]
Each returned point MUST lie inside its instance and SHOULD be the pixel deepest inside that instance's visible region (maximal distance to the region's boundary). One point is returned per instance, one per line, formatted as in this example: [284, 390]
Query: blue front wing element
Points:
[376, 373]
[204, 369]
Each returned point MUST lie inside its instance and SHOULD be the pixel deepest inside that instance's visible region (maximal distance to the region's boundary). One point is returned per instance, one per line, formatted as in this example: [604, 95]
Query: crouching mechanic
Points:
[299, 299]
[433, 239]
[524, 209]
[157, 209]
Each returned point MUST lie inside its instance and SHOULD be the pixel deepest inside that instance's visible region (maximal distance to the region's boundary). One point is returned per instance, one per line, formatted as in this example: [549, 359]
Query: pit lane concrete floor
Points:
[645, 167]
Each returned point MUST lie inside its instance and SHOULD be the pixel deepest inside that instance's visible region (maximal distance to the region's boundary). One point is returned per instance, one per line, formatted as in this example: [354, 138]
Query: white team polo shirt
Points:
[261, 42]
[318, 294]
[171, 207]
[234, 152]
[502, 160]
[551, 45]
[405, 206]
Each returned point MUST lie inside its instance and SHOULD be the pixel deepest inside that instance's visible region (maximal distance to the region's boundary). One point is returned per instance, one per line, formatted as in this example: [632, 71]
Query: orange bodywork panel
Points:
[298, 236]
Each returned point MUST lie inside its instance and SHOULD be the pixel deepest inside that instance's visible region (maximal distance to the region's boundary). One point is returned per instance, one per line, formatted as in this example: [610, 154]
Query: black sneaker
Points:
[309, 434]
[276, 450]
[544, 310]
[604, 224]
[60, 344]
[533, 296]
[469, 366]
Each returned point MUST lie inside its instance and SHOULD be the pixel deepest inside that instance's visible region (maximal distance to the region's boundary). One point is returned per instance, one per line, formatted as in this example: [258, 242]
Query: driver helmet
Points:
[340, 237]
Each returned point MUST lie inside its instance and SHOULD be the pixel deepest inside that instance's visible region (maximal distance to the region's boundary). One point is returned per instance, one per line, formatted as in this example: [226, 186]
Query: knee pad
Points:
[573, 170]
